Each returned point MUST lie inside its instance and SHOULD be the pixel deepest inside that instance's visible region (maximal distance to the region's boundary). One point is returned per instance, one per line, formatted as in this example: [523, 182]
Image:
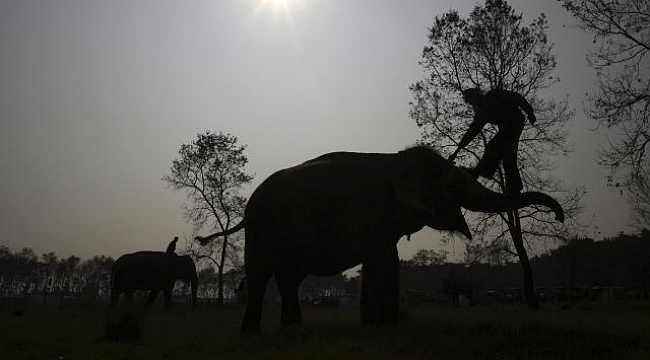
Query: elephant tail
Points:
[203, 240]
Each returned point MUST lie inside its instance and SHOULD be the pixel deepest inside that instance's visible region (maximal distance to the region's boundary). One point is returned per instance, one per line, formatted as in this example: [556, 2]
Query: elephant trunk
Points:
[477, 197]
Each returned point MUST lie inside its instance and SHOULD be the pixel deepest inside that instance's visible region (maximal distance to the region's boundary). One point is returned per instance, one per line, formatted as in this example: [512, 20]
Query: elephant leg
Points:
[115, 294]
[128, 297]
[152, 297]
[380, 290]
[288, 284]
[389, 289]
[168, 297]
[368, 303]
[256, 285]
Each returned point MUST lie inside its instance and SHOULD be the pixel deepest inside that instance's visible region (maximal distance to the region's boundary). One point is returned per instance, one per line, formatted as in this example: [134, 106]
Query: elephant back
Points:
[144, 270]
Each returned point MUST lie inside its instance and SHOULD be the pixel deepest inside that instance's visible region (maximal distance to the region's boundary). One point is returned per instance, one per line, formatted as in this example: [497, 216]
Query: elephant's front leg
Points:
[369, 304]
[380, 289]
[151, 298]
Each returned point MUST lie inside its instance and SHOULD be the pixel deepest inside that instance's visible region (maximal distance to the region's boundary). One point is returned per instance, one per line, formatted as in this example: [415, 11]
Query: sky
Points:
[97, 97]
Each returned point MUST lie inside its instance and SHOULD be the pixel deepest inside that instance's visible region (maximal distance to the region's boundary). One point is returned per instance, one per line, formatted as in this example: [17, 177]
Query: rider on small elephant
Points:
[171, 248]
[501, 108]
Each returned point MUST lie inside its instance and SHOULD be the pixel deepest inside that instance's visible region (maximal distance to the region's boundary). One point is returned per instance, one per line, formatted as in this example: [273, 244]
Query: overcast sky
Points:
[97, 96]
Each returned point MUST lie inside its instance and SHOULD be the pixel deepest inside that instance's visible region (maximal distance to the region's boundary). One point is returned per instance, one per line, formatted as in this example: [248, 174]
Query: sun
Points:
[279, 5]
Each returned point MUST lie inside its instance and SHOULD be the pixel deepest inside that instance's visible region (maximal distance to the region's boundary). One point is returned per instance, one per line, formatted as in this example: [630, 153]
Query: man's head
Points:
[473, 96]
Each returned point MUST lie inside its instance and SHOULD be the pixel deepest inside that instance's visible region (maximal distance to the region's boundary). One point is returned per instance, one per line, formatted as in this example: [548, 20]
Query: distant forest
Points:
[614, 267]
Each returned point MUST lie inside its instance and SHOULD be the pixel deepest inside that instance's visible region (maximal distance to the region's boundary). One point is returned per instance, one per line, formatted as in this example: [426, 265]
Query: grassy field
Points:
[583, 331]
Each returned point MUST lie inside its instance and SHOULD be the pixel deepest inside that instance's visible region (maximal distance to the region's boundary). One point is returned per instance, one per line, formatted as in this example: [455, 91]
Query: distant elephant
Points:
[455, 287]
[343, 209]
[152, 270]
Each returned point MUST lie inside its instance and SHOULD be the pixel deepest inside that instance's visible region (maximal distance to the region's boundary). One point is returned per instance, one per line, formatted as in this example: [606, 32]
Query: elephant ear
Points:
[430, 194]
[411, 192]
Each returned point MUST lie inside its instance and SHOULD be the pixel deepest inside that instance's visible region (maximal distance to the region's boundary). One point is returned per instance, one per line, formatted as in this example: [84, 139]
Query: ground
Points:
[579, 331]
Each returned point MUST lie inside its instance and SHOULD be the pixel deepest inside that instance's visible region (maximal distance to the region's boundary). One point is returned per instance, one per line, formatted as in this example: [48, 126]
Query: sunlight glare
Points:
[279, 5]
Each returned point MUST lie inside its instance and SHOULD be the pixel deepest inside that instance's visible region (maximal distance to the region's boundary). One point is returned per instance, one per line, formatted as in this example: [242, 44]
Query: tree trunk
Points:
[220, 270]
[514, 227]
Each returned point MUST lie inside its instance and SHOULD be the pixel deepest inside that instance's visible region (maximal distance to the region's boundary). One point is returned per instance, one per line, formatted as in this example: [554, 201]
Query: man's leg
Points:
[513, 179]
[510, 167]
[489, 163]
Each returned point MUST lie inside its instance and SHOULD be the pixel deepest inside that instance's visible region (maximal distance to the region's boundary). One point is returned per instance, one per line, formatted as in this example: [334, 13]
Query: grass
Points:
[506, 332]
[125, 323]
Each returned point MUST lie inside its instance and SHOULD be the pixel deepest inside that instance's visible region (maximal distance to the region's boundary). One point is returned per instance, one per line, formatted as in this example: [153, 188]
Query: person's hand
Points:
[453, 156]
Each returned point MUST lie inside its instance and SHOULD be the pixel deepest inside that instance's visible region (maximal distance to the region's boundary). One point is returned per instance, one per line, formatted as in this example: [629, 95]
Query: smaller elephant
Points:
[457, 287]
[154, 271]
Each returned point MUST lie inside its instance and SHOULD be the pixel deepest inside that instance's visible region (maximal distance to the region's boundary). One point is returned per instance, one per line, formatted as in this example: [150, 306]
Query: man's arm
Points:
[524, 105]
[474, 129]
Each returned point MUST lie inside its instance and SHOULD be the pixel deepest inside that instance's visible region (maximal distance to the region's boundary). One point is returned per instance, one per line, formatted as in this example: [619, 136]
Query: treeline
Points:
[24, 274]
[583, 265]
[622, 262]
[49, 279]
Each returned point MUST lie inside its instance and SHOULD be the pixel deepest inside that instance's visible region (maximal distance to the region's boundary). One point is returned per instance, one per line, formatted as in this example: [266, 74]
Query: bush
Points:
[124, 324]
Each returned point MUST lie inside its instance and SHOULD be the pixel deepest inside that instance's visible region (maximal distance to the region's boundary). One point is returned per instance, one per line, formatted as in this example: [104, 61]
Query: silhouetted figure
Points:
[171, 248]
[504, 109]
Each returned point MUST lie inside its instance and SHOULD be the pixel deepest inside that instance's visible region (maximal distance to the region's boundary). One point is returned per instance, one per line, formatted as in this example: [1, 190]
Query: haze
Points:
[97, 97]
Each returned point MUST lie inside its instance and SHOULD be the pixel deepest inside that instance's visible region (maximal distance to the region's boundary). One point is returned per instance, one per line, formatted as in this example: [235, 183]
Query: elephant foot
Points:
[290, 317]
[380, 323]
[249, 328]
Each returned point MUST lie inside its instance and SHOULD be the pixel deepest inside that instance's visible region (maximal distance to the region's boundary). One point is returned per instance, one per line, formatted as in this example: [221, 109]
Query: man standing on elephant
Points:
[171, 248]
[504, 109]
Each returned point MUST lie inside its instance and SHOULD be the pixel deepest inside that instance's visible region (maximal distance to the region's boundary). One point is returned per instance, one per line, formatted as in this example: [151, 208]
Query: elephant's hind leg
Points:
[115, 294]
[128, 297]
[168, 298]
[288, 285]
[256, 285]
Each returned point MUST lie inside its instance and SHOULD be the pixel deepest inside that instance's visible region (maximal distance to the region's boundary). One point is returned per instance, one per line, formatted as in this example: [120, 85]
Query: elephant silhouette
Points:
[342, 209]
[155, 271]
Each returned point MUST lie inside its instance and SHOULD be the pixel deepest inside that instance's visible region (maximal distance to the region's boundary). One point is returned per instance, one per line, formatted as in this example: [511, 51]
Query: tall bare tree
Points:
[211, 172]
[621, 30]
[493, 49]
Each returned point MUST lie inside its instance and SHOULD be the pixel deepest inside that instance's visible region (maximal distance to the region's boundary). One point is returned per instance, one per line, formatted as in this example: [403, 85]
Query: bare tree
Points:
[621, 29]
[492, 49]
[211, 171]
[95, 274]
[640, 198]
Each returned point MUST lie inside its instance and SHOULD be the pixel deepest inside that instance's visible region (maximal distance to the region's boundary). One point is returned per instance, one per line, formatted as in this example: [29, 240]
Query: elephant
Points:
[342, 209]
[152, 270]
[455, 287]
